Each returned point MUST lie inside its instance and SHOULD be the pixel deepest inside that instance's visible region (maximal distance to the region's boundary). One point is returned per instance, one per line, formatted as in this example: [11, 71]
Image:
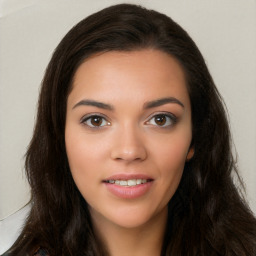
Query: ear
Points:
[190, 153]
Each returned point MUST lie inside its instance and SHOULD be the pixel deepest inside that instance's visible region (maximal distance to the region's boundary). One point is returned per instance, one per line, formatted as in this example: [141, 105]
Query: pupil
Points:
[160, 120]
[96, 121]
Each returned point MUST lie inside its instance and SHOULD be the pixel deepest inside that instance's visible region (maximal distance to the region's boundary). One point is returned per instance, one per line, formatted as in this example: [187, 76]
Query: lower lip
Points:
[131, 192]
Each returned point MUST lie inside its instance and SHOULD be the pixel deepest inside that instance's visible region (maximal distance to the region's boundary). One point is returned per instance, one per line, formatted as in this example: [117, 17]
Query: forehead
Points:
[127, 75]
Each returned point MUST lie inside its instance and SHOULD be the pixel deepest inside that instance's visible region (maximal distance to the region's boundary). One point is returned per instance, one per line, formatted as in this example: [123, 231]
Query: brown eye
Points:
[160, 120]
[95, 121]
[163, 120]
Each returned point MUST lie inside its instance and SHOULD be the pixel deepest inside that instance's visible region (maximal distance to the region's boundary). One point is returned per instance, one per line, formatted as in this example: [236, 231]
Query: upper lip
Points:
[124, 176]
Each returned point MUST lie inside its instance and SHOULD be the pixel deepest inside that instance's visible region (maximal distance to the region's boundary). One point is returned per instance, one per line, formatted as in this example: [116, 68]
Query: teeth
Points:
[128, 183]
[138, 181]
[123, 183]
[132, 182]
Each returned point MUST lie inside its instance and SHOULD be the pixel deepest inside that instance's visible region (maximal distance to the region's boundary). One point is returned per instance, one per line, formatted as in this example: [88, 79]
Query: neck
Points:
[145, 240]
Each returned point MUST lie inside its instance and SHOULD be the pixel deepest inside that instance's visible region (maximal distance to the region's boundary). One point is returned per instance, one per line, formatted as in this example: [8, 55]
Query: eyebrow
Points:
[147, 105]
[93, 103]
[160, 102]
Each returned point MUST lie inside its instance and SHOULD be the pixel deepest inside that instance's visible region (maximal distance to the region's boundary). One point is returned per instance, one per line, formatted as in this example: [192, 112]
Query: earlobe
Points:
[190, 154]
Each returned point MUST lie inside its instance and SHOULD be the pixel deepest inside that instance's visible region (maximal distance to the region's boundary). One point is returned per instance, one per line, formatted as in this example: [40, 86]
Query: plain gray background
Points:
[224, 30]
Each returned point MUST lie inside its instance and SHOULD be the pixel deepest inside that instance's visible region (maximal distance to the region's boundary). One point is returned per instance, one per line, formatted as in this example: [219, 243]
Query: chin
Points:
[129, 218]
[131, 222]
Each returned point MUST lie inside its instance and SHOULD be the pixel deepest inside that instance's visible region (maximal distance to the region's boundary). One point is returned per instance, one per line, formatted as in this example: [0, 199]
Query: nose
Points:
[129, 145]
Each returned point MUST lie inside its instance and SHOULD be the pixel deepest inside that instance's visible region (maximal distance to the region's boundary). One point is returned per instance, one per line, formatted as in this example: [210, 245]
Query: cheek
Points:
[82, 166]
[84, 150]
[171, 164]
[171, 151]
[170, 157]
[83, 156]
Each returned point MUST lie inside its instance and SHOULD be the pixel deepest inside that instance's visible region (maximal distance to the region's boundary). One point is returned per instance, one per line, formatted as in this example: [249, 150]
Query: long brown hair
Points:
[207, 215]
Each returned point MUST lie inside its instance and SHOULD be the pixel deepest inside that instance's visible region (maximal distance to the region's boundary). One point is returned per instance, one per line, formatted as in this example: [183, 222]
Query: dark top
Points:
[41, 252]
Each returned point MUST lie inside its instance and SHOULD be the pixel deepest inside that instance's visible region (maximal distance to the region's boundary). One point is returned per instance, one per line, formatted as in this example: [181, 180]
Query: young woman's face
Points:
[128, 134]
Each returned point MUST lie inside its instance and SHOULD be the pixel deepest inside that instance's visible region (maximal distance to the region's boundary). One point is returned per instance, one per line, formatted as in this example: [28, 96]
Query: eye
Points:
[95, 121]
[162, 120]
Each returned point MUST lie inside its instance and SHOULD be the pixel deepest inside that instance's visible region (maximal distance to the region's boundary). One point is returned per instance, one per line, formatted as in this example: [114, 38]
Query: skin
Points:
[128, 139]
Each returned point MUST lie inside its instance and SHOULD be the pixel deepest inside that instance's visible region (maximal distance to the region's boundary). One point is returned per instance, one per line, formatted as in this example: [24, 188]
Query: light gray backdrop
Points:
[30, 30]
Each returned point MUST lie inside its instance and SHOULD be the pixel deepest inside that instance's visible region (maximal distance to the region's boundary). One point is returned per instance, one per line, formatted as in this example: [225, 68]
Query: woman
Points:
[131, 152]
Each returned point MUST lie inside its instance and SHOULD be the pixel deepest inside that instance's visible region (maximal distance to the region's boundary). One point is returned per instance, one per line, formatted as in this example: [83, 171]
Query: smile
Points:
[128, 183]
[128, 188]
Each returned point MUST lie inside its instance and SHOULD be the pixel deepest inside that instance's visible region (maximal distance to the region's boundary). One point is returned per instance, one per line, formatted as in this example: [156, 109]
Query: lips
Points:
[128, 186]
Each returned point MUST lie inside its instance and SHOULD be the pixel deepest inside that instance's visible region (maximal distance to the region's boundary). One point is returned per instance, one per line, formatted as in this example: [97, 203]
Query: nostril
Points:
[135, 156]
[128, 150]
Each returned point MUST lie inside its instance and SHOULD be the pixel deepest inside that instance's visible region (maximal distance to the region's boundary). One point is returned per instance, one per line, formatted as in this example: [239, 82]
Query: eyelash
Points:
[90, 117]
[168, 117]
